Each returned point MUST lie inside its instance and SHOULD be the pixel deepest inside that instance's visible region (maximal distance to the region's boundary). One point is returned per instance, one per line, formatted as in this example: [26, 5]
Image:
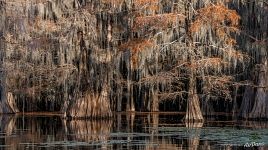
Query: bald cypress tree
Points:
[89, 58]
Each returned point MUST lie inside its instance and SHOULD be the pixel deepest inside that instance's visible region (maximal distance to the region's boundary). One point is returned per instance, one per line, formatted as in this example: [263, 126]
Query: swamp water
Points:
[129, 131]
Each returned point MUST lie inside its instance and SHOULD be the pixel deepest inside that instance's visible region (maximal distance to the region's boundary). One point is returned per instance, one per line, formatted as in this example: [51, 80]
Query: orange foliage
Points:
[116, 2]
[136, 46]
[139, 4]
[236, 54]
[218, 17]
[156, 21]
[230, 41]
[207, 62]
[47, 25]
[147, 4]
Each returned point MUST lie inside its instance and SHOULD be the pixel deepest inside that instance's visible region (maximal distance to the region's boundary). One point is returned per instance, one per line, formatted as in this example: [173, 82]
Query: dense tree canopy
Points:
[88, 58]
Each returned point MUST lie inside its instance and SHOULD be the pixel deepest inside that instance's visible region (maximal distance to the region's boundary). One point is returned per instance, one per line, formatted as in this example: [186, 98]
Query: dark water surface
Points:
[129, 131]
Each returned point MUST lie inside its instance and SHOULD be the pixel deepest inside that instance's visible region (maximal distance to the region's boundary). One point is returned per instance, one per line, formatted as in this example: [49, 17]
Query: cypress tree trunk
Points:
[207, 109]
[260, 108]
[193, 110]
[247, 102]
[130, 102]
[91, 105]
[155, 102]
[7, 101]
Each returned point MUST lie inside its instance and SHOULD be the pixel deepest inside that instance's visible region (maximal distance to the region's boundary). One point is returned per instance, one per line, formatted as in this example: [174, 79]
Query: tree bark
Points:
[91, 105]
[155, 102]
[260, 108]
[193, 111]
[207, 108]
[247, 102]
[7, 102]
[130, 101]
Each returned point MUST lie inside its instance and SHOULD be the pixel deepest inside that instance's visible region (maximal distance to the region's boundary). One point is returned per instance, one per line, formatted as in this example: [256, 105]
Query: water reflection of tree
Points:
[254, 124]
[153, 124]
[130, 118]
[22, 132]
[6, 128]
[7, 124]
[135, 131]
[90, 131]
[193, 141]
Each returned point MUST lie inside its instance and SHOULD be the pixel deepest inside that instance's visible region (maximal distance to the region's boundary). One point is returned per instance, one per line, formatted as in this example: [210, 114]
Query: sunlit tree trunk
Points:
[93, 105]
[130, 100]
[155, 121]
[7, 101]
[155, 102]
[193, 110]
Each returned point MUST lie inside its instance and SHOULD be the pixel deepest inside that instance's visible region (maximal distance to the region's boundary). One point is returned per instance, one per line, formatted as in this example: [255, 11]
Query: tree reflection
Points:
[89, 130]
[194, 140]
[150, 131]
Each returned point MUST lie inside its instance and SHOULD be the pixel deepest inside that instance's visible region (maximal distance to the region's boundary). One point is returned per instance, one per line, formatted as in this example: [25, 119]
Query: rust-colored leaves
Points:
[136, 46]
[218, 17]
[159, 21]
